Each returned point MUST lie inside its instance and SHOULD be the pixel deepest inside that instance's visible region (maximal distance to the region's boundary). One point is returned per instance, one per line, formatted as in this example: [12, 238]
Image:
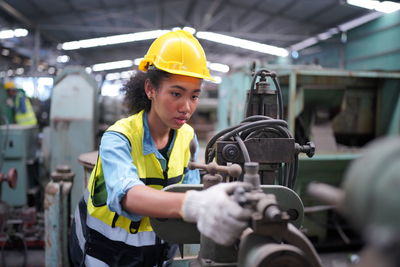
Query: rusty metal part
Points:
[57, 216]
[10, 177]
[251, 175]
[233, 170]
[211, 180]
[269, 221]
[308, 149]
[62, 173]
[259, 251]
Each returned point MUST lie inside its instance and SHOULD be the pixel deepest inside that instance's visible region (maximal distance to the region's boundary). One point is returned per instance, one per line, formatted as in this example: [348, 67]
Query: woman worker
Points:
[142, 154]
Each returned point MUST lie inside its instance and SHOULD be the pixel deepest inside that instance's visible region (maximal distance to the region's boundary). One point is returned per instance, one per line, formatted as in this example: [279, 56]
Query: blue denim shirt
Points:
[120, 174]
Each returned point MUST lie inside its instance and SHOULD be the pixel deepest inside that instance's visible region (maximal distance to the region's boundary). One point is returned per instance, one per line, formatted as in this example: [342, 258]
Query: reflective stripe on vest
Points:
[150, 172]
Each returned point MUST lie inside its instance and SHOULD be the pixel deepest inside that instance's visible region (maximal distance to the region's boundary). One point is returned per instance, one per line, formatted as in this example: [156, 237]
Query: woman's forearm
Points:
[146, 201]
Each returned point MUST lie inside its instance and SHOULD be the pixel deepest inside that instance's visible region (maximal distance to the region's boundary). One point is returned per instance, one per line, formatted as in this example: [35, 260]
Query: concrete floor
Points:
[36, 258]
[15, 258]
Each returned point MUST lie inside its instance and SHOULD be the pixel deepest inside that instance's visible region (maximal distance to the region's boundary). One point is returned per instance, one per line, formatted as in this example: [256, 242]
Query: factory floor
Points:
[17, 258]
[36, 258]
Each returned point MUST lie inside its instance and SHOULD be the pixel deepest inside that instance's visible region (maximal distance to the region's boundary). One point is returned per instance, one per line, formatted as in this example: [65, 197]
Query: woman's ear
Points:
[149, 89]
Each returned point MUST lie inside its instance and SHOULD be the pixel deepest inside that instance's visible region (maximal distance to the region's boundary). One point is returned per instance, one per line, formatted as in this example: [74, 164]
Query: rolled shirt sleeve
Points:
[120, 174]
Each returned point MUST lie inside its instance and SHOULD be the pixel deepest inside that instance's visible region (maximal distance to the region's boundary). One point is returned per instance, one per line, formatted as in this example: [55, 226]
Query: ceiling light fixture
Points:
[114, 39]
[189, 29]
[112, 65]
[63, 59]
[218, 67]
[136, 61]
[217, 80]
[385, 6]
[186, 28]
[242, 43]
[120, 75]
[7, 34]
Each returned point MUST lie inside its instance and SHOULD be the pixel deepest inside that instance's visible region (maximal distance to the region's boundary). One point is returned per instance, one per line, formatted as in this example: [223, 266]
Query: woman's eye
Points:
[195, 97]
[175, 94]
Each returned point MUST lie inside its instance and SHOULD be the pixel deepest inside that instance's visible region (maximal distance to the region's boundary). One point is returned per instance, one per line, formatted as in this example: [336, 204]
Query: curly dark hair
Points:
[135, 97]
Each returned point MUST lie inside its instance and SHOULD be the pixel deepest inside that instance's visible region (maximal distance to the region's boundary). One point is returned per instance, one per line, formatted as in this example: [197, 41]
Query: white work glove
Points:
[217, 215]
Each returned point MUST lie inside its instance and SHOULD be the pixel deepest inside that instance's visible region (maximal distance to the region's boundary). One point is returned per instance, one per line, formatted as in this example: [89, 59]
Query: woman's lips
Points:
[180, 121]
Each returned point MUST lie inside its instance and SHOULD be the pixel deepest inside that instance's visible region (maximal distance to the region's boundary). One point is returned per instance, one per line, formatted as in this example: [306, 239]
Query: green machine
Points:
[73, 123]
[339, 111]
[369, 199]
[18, 149]
[18, 146]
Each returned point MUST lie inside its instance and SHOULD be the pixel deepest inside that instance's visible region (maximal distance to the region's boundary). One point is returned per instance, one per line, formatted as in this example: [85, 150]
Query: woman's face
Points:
[175, 100]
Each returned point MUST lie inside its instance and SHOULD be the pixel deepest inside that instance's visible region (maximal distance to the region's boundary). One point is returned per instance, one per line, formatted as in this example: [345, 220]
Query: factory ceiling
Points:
[50, 23]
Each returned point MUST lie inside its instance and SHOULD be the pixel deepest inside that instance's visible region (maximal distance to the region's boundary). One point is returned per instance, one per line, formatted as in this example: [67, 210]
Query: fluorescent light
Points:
[19, 71]
[242, 43]
[112, 65]
[137, 61]
[388, 7]
[5, 52]
[113, 76]
[368, 4]
[127, 74]
[6, 34]
[120, 75]
[189, 29]
[186, 28]
[217, 79]
[20, 32]
[385, 6]
[63, 59]
[114, 39]
[51, 70]
[218, 67]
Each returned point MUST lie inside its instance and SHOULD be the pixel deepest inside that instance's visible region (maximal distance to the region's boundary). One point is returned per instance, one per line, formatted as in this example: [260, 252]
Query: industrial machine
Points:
[21, 192]
[369, 199]
[339, 111]
[73, 122]
[263, 146]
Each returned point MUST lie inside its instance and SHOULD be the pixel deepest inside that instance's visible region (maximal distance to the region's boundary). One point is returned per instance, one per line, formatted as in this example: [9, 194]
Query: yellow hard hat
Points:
[9, 85]
[177, 52]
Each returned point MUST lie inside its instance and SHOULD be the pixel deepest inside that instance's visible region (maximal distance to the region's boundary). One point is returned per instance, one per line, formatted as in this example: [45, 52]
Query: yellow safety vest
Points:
[24, 118]
[149, 171]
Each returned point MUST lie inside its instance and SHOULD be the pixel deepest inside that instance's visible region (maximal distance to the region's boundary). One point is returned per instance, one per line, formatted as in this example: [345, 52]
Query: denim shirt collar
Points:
[148, 144]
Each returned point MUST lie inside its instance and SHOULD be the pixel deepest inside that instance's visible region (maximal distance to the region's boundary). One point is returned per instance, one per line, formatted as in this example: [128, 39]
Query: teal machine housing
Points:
[73, 123]
[339, 110]
[18, 146]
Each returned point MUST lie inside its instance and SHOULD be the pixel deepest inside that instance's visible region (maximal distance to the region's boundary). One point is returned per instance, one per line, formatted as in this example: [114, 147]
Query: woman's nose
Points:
[185, 106]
